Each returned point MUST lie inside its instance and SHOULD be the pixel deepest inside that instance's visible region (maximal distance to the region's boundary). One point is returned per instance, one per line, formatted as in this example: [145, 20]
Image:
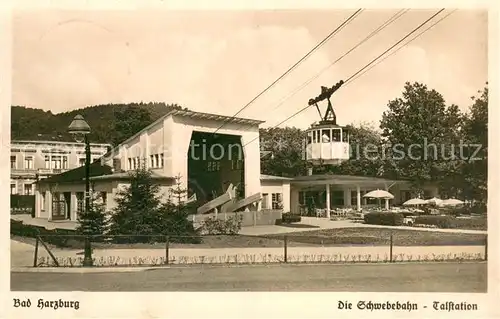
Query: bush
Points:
[19, 229]
[471, 223]
[384, 218]
[214, 226]
[478, 209]
[439, 221]
[290, 218]
[452, 222]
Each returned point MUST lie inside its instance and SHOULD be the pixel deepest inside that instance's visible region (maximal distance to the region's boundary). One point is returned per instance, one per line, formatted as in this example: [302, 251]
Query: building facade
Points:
[206, 153]
[34, 160]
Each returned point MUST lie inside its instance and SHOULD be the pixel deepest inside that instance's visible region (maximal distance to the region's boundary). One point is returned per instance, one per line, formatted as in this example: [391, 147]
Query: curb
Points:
[118, 269]
[80, 270]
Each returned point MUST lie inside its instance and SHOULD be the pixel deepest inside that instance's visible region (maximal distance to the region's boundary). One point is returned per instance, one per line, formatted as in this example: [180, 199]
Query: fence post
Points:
[285, 247]
[486, 247]
[167, 244]
[35, 261]
[390, 251]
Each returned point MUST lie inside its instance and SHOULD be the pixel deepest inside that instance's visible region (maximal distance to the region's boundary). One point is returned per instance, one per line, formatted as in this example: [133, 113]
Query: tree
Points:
[174, 216]
[421, 132]
[137, 211]
[128, 122]
[366, 158]
[475, 134]
[95, 221]
[286, 151]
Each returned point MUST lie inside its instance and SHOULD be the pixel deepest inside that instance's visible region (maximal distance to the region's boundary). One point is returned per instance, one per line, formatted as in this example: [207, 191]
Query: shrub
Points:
[471, 223]
[214, 226]
[94, 221]
[439, 221]
[478, 209]
[19, 229]
[290, 218]
[384, 218]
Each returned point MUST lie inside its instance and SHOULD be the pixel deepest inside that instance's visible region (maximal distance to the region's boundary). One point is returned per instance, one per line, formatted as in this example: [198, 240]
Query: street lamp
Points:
[80, 130]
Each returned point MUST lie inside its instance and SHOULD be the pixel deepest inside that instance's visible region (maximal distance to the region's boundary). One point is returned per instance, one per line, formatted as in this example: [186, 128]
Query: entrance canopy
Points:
[332, 179]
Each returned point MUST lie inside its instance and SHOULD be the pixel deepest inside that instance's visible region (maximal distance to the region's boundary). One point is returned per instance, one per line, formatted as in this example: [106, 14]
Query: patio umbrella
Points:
[415, 201]
[435, 201]
[452, 202]
[379, 194]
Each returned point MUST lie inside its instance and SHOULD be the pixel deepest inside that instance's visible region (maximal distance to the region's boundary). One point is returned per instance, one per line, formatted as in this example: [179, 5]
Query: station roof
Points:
[192, 115]
[341, 180]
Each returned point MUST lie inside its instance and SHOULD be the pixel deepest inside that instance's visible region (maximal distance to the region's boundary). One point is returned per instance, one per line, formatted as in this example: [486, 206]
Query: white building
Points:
[183, 144]
[32, 160]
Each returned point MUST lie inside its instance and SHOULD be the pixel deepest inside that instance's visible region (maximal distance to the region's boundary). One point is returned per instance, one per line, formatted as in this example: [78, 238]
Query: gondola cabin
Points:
[326, 143]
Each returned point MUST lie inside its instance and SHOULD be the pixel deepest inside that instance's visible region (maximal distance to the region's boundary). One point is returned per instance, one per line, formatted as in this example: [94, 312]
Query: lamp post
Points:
[80, 130]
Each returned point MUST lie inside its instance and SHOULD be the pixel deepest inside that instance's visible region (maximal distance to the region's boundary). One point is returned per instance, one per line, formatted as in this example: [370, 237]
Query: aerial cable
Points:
[340, 27]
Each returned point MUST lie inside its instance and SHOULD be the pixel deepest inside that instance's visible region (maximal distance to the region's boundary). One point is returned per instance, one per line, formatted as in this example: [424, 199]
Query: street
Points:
[421, 277]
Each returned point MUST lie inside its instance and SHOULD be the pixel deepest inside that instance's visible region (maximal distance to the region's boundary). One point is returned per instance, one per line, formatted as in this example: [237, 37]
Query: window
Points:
[213, 166]
[345, 136]
[161, 160]
[277, 201]
[157, 160]
[236, 164]
[135, 163]
[309, 138]
[42, 201]
[12, 189]
[13, 162]
[27, 189]
[65, 162]
[129, 163]
[57, 162]
[81, 161]
[265, 201]
[80, 202]
[151, 161]
[47, 161]
[336, 135]
[28, 162]
[325, 136]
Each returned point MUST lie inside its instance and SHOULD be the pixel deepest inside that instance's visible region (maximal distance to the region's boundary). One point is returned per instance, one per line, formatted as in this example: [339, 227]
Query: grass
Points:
[381, 236]
[325, 237]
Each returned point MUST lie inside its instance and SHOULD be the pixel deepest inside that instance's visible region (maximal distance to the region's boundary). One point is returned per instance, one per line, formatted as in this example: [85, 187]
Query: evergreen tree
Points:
[137, 211]
[175, 213]
[95, 221]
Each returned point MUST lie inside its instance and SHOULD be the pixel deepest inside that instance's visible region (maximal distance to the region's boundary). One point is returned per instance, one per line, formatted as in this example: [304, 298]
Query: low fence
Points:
[161, 250]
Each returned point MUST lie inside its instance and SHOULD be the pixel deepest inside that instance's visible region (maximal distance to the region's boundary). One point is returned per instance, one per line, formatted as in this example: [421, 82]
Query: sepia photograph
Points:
[306, 150]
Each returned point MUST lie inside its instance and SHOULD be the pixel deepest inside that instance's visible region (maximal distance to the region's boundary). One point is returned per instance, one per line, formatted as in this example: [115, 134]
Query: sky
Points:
[217, 61]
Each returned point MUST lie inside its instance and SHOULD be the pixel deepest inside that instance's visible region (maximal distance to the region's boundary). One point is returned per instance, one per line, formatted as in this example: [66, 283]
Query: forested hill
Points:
[110, 123]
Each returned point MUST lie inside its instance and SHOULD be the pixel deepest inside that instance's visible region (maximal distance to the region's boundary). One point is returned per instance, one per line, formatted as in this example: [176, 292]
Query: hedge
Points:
[19, 229]
[290, 218]
[384, 218]
[452, 222]
[439, 221]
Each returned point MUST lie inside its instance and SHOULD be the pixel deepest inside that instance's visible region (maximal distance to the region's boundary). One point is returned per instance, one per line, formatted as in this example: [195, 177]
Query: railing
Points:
[161, 250]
